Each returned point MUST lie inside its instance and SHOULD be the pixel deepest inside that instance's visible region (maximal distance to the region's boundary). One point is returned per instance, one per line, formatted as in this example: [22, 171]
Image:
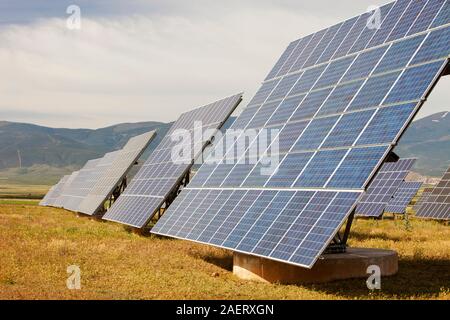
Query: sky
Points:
[151, 60]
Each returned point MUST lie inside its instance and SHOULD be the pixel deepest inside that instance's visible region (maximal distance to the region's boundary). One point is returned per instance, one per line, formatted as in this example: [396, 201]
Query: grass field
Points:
[38, 244]
[25, 192]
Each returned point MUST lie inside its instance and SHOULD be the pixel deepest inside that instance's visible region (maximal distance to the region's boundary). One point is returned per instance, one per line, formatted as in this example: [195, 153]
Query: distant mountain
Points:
[48, 153]
[28, 145]
[428, 139]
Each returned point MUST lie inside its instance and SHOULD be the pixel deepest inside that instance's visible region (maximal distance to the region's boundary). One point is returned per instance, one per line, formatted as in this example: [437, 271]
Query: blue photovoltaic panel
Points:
[114, 174]
[351, 102]
[403, 197]
[383, 187]
[437, 204]
[161, 173]
[423, 198]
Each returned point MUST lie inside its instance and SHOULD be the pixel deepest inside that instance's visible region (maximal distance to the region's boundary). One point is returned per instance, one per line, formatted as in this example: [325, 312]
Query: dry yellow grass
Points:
[38, 244]
[12, 191]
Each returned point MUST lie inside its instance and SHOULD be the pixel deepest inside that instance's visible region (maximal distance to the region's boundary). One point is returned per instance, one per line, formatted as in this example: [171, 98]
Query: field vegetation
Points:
[38, 244]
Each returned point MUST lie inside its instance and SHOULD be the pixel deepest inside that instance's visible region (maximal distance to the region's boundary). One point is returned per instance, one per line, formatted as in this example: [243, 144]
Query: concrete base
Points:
[350, 265]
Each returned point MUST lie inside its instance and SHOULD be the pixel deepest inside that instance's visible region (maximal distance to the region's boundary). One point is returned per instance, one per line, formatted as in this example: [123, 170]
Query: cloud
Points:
[148, 60]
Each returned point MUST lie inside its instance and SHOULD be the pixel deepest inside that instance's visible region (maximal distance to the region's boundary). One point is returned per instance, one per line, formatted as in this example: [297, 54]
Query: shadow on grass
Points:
[416, 278]
[223, 260]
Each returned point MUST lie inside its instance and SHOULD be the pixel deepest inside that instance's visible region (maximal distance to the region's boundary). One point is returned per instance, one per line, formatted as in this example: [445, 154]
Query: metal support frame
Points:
[113, 197]
[339, 244]
[172, 196]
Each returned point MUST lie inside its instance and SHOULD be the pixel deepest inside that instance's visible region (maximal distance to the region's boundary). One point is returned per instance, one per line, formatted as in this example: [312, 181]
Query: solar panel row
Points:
[437, 205]
[81, 186]
[164, 169]
[97, 179]
[423, 198]
[403, 197]
[340, 99]
[383, 187]
[55, 192]
[114, 173]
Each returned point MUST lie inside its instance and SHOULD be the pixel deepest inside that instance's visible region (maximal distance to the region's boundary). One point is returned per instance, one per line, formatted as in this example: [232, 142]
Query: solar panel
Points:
[423, 198]
[437, 205]
[55, 192]
[48, 195]
[383, 187]
[114, 173]
[59, 202]
[81, 185]
[293, 214]
[161, 173]
[403, 197]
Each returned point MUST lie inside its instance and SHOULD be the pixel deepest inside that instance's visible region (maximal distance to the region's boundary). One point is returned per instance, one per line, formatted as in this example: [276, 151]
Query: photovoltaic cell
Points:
[437, 204]
[81, 185]
[157, 178]
[351, 105]
[60, 202]
[55, 192]
[115, 173]
[383, 187]
[403, 197]
[423, 198]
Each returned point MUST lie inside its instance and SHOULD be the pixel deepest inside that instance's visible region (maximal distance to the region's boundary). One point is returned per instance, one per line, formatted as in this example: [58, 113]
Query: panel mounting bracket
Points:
[339, 244]
[172, 196]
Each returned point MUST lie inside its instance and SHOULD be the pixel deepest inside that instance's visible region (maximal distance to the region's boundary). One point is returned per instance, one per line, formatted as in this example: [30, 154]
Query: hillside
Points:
[428, 139]
[28, 145]
[47, 153]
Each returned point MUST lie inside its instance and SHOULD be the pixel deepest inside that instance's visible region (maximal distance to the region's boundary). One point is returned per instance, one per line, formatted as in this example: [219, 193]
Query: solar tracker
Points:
[59, 202]
[423, 198]
[403, 197]
[114, 174]
[350, 91]
[55, 192]
[383, 187]
[161, 174]
[437, 205]
[81, 185]
[48, 195]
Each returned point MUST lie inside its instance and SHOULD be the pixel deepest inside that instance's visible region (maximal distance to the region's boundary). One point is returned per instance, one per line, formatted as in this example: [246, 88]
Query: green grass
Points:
[38, 244]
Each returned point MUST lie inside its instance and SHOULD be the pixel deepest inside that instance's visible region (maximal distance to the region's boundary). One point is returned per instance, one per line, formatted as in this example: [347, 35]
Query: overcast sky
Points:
[139, 60]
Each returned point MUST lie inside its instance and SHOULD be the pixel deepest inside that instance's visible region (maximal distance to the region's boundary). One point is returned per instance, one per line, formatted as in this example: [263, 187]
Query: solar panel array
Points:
[423, 198]
[403, 197]
[114, 173]
[48, 195]
[383, 187]
[437, 205]
[59, 202]
[97, 179]
[160, 174]
[52, 196]
[81, 185]
[341, 97]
